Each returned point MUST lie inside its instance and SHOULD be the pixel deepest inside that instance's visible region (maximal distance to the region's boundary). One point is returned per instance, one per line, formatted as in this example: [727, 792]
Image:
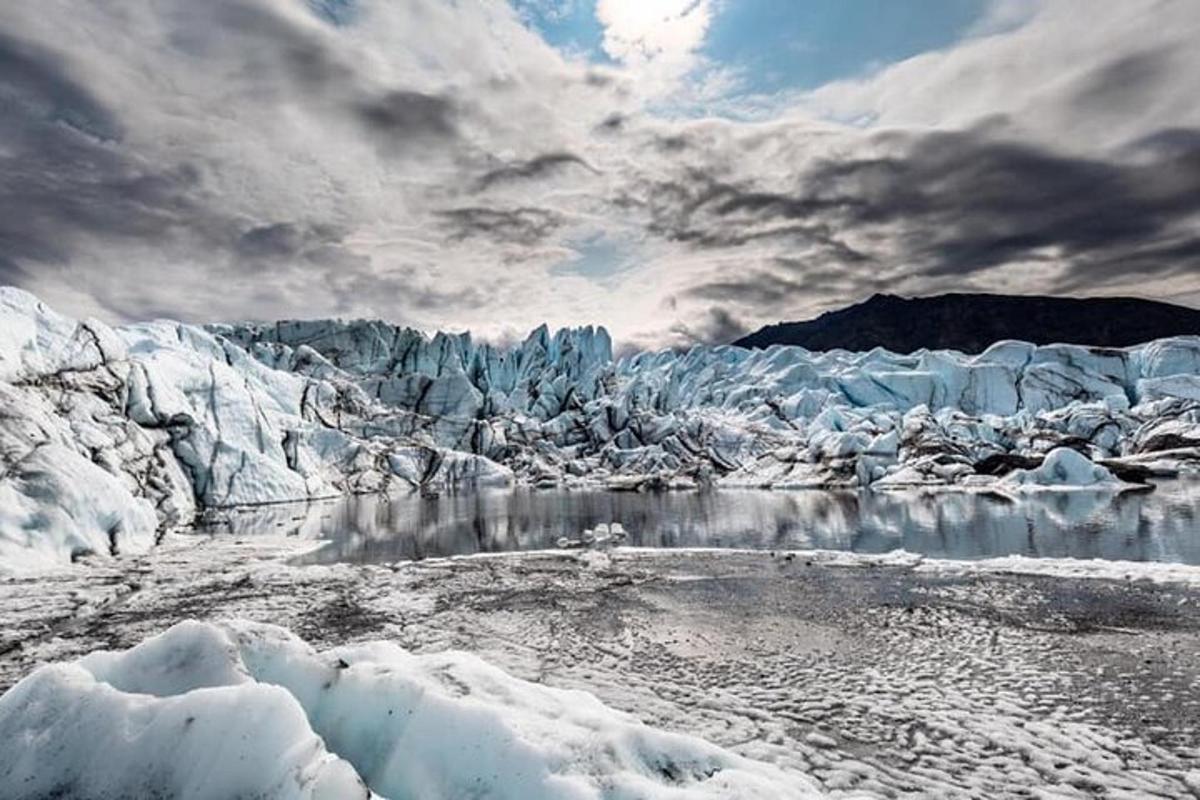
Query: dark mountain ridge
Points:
[972, 322]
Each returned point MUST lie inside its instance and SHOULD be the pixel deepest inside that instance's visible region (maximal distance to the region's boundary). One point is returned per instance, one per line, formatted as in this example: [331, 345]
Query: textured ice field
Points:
[875, 677]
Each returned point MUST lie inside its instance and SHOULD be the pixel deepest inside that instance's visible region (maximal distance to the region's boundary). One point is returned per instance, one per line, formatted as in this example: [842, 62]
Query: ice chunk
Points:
[248, 710]
[56, 505]
[1064, 467]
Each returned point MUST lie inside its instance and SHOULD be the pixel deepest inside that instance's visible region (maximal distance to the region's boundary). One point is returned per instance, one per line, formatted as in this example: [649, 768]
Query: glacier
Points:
[112, 436]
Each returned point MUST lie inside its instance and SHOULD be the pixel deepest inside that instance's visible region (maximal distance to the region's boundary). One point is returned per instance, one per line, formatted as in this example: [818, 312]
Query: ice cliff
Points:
[109, 436]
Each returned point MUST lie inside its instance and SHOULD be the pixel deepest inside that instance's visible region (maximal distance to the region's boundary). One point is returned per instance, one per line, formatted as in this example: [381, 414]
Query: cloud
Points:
[654, 33]
[254, 140]
[531, 169]
[1119, 87]
[526, 226]
[408, 115]
[755, 288]
[1051, 76]
[37, 84]
[715, 325]
[950, 207]
[65, 171]
[964, 201]
[439, 164]
[286, 240]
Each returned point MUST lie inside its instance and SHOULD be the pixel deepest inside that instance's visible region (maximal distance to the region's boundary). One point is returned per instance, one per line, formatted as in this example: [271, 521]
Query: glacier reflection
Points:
[1160, 526]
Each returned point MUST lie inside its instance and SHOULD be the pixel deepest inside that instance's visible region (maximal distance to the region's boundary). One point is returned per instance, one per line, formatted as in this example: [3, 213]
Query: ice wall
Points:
[110, 436]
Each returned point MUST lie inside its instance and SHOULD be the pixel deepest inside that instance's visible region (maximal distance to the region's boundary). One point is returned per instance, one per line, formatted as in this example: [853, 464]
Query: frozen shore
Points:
[874, 676]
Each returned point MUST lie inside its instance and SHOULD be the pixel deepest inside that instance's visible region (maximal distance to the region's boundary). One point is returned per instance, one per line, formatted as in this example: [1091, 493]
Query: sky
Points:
[679, 171]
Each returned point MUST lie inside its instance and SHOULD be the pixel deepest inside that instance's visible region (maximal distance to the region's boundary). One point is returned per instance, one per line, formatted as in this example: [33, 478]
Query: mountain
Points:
[970, 323]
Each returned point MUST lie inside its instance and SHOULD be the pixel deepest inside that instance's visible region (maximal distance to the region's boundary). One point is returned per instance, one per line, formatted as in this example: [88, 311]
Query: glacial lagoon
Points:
[1163, 525]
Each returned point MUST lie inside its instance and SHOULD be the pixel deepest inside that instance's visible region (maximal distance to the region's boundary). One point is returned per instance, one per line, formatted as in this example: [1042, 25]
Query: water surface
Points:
[1160, 526]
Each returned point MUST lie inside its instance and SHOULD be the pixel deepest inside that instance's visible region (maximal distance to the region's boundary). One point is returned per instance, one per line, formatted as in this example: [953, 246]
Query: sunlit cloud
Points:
[658, 40]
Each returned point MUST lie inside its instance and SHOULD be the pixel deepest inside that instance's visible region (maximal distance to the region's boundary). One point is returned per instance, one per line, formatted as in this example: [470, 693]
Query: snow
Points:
[241, 709]
[1152, 572]
[180, 419]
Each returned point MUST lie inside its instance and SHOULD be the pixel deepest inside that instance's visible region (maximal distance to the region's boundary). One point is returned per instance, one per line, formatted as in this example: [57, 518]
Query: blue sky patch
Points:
[567, 25]
[598, 258]
[803, 45]
[791, 44]
[335, 12]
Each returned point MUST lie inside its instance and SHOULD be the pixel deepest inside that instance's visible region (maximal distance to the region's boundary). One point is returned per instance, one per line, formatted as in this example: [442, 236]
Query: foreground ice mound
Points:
[241, 709]
[111, 436]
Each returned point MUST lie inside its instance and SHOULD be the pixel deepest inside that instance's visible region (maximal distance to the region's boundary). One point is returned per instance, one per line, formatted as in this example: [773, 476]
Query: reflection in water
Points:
[1159, 526]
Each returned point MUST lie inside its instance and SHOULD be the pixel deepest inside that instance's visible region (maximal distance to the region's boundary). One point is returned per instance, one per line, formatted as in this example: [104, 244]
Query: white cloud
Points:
[658, 40]
[1035, 65]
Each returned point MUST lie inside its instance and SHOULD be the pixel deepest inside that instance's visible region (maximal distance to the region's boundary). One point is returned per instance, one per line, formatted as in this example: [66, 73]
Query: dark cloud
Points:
[674, 143]
[708, 213]
[1167, 143]
[407, 115]
[64, 170]
[776, 205]
[716, 325]
[301, 63]
[34, 82]
[286, 240]
[524, 225]
[72, 182]
[828, 275]
[1125, 85]
[612, 123]
[949, 205]
[758, 288]
[966, 203]
[597, 79]
[534, 168]
[940, 209]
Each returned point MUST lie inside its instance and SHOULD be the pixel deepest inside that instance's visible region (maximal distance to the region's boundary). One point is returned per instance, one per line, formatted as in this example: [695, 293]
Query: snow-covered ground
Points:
[112, 436]
[243, 709]
[870, 677]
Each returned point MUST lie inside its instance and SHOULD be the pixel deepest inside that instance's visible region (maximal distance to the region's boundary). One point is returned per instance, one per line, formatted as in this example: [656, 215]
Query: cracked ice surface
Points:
[112, 436]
